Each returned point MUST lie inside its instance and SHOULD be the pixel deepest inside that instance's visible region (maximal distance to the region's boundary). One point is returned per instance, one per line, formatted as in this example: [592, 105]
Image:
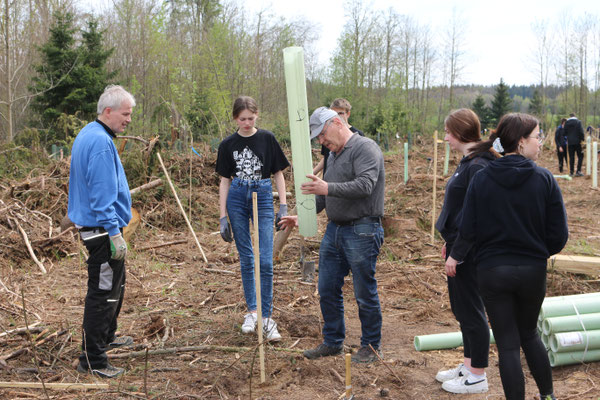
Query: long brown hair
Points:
[511, 128]
[464, 125]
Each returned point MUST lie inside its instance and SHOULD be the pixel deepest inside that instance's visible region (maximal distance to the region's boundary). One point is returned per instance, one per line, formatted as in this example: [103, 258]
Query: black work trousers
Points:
[513, 296]
[562, 158]
[575, 148]
[469, 311]
[106, 287]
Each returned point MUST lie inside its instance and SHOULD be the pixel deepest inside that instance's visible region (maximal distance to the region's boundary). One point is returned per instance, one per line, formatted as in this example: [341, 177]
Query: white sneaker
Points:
[270, 329]
[249, 324]
[448, 374]
[465, 384]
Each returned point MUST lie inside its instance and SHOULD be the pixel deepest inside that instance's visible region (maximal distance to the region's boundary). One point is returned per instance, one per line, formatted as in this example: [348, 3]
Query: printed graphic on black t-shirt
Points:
[252, 157]
[248, 165]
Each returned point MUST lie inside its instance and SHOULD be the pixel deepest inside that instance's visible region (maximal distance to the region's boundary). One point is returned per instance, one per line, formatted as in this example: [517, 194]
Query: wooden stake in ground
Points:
[348, 378]
[187, 221]
[255, 244]
[435, 151]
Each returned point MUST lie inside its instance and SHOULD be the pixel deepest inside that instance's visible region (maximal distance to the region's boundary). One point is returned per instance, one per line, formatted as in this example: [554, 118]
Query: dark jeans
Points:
[343, 249]
[513, 296]
[562, 157]
[469, 311]
[239, 209]
[575, 148]
[106, 287]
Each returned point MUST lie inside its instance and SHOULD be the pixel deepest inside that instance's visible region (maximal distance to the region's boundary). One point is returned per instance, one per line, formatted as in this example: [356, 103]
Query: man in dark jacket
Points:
[574, 133]
[561, 144]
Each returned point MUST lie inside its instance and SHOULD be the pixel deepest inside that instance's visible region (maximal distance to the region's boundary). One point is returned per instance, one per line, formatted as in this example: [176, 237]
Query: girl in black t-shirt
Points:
[245, 161]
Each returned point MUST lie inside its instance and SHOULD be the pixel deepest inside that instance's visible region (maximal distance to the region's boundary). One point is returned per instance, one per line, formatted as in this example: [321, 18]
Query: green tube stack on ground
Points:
[295, 82]
[575, 357]
[571, 323]
[441, 341]
[581, 305]
[565, 342]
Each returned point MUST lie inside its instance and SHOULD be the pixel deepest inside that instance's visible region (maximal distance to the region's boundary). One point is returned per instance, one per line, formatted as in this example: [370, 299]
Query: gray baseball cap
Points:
[318, 119]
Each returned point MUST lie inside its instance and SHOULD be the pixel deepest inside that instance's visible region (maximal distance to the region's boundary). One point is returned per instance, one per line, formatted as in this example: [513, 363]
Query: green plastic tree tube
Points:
[571, 323]
[565, 342]
[569, 297]
[405, 162]
[575, 357]
[441, 341]
[295, 82]
[446, 158]
[583, 305]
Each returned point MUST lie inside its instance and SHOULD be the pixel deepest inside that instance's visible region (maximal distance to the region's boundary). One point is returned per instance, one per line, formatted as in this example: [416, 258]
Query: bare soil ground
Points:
[174, 300]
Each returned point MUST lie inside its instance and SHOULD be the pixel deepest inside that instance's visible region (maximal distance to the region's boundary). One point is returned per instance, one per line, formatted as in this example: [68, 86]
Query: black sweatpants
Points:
[575, 148]
[469, 311]
[513, 296]
[106, 287]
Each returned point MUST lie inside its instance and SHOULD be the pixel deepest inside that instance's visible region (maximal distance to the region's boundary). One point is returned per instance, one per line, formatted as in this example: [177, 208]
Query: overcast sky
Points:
[498, 34]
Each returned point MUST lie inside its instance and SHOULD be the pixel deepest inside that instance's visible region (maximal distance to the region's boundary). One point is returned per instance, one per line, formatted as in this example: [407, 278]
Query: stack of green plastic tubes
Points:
[570, 328]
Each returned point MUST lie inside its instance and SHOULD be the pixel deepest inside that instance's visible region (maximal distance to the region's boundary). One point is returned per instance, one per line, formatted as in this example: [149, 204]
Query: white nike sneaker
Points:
[448, 374]
[466, 384]
[249, 324]
[270, 329]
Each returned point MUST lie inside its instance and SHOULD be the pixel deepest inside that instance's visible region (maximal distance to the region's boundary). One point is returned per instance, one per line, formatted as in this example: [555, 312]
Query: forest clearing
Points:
[185, 315]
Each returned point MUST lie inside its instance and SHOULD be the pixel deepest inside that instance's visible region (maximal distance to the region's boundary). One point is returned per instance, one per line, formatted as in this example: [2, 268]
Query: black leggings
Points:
[468, 309]
[513, 296]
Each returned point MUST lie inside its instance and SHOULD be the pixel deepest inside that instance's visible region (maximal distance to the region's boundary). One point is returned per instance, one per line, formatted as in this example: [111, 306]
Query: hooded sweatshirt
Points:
[514, 214]
[451, 214]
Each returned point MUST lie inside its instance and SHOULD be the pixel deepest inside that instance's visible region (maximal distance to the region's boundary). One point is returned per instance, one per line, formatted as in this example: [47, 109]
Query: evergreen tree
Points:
[70, 77]
[501, 104]
[54, 79]
[536, 105]
[482, 111]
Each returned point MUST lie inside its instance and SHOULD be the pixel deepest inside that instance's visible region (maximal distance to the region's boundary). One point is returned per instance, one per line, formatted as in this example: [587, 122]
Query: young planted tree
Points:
[501, 104]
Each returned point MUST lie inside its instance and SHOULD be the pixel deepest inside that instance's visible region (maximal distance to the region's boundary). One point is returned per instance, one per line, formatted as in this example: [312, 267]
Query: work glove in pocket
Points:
[118, 247]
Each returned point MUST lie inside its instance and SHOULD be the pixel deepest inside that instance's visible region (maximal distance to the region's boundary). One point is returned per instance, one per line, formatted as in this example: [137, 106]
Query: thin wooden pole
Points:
[435, 148]
[348, 377]
[191, 157]
[187, 221]
[55, 386]
[261, 350]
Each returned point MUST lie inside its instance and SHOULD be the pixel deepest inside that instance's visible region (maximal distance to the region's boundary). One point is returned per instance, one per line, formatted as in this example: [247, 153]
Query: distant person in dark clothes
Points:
[462, 133]
[342, 107]
[100, 207]
[515, 218]
[574, 134]
[561, 143]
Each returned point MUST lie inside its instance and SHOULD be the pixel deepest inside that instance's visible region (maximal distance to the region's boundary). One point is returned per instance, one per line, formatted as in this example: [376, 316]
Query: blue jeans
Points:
[343, 249]
[239, 209]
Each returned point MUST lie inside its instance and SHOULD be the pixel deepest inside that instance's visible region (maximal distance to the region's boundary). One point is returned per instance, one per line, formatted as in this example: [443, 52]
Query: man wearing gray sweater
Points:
[352, 193]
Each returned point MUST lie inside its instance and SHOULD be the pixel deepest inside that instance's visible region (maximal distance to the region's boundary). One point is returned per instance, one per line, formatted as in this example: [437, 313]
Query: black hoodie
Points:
[456, 188]
[514, 214]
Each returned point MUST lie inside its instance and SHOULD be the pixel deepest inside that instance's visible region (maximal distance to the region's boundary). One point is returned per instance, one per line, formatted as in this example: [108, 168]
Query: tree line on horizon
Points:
[186, 60]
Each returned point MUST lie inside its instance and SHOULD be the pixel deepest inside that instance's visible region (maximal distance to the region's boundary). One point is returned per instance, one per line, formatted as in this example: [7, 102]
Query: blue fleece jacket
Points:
[514, 214]
[98, 190]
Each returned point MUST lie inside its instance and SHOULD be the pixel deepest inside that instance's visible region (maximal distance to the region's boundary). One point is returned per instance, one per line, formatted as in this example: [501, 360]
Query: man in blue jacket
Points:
[100, 207]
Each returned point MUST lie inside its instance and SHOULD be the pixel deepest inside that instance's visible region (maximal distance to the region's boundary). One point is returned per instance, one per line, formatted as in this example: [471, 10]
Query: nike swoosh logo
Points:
[467, 383]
